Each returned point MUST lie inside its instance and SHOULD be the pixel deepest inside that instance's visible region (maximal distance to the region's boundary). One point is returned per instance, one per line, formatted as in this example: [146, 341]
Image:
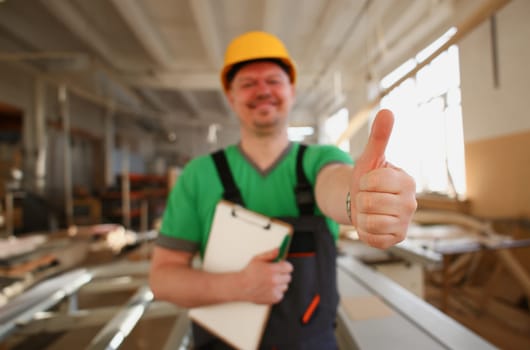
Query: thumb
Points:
[269, 255]
[373, 156]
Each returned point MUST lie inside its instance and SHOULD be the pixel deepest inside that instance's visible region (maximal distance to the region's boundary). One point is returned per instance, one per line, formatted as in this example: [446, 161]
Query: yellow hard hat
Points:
[256, 45]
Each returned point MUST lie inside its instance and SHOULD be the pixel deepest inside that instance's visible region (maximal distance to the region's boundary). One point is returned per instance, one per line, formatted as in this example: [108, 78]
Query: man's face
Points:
[262, 96]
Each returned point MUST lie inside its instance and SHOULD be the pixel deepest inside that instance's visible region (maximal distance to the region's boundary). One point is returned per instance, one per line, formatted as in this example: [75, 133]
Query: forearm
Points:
[188, 287]
[173, 279]
[332, 186]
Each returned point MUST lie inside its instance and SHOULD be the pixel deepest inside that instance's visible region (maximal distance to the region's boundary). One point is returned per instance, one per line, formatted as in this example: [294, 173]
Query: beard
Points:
[265, 115]
[267, 119]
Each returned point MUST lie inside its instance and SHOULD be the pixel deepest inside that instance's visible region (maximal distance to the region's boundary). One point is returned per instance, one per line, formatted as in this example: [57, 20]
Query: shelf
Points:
[150, 190]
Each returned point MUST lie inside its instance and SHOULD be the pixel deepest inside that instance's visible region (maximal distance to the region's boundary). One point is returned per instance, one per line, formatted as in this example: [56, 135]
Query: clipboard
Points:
[237, 235]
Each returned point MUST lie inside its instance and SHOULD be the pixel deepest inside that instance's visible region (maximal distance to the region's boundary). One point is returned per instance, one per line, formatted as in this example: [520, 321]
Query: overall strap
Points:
[231, 192]
[305, 198]
[303, 189]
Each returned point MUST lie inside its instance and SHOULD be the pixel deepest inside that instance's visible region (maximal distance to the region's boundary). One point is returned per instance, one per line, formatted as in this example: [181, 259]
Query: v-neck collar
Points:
[269, 169]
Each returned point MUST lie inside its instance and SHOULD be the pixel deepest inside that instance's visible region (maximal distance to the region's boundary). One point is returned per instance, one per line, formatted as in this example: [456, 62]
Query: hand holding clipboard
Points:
[236, 237]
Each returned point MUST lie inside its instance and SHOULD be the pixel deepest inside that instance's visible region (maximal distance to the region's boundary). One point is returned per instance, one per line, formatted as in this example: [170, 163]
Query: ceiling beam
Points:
[321, 30]
[205, 19]
[20, 34]
[193, 81]
[212, 43]
[176, 81]
[103, 101]
[474, 16]
[208, 117]
[329, 66]
[272, 16]
[401, 47]
[140, 24]
[80, 27]
[191, 103]
[154, 100]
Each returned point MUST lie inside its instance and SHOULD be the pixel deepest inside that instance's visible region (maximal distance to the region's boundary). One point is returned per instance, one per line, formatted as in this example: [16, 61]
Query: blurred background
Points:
[103, 102]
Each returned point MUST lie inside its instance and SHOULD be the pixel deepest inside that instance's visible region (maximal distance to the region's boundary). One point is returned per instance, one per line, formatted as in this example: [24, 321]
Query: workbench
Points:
[453, 246]
[377, 313]
[374, 312]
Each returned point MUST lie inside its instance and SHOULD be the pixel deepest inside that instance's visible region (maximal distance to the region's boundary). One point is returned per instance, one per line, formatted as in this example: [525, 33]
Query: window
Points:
[334, 126]
[299, 133]
[427, 140]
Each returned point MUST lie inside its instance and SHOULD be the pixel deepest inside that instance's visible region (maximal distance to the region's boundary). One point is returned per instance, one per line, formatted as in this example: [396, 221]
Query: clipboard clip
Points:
[252, 218]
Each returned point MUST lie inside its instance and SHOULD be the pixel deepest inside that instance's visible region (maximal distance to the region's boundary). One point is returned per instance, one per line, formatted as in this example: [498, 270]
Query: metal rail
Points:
[413, 324]
[115, 332]
[40, 298]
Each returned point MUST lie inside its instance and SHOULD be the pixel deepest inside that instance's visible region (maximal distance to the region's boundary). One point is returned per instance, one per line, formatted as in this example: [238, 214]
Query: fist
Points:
[383, 197]
[266, 281]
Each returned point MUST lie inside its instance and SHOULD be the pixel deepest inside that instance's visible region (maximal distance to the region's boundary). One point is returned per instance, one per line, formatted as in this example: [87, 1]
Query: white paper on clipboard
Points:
[237, 235]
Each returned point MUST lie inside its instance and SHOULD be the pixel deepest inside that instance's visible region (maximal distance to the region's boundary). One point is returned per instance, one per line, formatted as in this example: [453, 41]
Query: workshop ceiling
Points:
[160, 58]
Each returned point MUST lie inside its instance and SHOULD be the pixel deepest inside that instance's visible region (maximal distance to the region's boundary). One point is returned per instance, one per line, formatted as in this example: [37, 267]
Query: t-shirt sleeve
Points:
[181, 228]
[318, 156]
[315, 159]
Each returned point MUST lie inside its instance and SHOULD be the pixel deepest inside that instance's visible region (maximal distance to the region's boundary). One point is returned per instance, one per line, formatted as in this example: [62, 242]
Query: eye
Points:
[276, 80]
[247, 84]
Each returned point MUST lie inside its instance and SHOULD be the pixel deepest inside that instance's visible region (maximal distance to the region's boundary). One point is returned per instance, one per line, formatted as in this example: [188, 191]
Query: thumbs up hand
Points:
[383, 197]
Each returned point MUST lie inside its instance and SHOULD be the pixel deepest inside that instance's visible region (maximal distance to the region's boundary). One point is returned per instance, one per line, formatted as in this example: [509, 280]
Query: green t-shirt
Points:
[192, 201]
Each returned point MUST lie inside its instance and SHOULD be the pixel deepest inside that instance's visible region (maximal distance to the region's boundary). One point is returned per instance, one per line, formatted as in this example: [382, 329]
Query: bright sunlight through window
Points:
[335, 126]
[299, 133]
[427, 140]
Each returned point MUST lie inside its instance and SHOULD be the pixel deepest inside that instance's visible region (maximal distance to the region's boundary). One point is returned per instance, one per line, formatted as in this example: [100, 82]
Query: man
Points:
[314, 188]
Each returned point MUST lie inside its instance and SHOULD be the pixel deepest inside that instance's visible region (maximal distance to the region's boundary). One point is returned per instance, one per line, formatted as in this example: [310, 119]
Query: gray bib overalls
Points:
[305, 318]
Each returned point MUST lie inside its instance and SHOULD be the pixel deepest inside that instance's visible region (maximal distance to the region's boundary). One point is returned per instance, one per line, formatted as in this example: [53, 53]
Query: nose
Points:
[262, 89]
